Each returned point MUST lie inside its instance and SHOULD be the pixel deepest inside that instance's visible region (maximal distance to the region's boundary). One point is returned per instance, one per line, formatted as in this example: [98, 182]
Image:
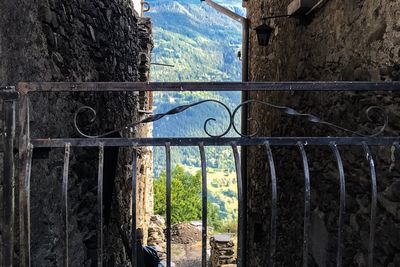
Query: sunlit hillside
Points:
[202, 45]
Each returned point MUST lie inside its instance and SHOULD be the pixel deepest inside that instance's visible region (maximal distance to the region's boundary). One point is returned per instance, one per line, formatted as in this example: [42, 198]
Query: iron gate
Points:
[20, 96]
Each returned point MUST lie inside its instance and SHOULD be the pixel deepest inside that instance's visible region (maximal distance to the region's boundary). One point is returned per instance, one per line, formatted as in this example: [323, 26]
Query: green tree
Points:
[186, 204]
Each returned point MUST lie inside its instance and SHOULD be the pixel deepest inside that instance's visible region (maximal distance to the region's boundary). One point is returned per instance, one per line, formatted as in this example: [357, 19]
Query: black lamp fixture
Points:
[264, 31]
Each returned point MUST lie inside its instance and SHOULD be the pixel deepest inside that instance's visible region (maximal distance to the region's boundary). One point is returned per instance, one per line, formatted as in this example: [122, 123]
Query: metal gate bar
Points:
[134, 193]
[307, 204]
[342, 205]
[100, 242]
[241, 226]
[204, 197]
[206, 86]
[374, 197]
[168, 200]
[26, 207]
[226, 141]
[65, 198]
[274, 204]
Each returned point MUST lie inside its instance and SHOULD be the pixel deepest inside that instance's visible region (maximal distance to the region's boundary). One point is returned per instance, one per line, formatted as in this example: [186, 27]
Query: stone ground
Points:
[187, 255]
[186, 245]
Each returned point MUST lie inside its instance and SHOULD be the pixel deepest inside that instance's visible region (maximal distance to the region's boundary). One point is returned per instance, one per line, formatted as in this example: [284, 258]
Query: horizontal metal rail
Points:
[207, 141]
[206, 86]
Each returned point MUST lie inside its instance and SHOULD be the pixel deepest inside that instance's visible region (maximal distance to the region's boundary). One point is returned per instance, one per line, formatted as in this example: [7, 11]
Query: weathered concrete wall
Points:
[345, 40]
[60, 40]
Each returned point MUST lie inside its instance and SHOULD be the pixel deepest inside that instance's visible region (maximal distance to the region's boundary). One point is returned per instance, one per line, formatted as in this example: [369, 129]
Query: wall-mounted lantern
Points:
[263, 33]
[297, 8]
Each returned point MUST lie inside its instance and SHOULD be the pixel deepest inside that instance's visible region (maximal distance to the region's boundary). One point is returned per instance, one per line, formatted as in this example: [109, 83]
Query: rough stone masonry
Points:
[79, 40]
[343, 40]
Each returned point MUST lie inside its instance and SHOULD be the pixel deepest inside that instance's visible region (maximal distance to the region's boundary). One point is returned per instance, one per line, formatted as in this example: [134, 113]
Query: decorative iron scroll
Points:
[232, 124]
[155, 117]
[311, 118]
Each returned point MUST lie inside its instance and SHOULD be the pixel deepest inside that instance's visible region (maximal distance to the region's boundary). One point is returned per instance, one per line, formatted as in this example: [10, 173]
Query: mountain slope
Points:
[199, 41]
[202, 45]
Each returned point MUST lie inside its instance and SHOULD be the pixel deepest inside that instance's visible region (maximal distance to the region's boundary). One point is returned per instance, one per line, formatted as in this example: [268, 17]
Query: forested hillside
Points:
[202, 45]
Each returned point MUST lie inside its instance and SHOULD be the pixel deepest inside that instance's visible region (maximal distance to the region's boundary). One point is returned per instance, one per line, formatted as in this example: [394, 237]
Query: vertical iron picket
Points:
[307, 204]
[274, 205]
[27, 204]
[133, 228]
[374, 197]
[342, 207]
[65, 197]
[168, 200]
[204, 205]
[241, 226]
[100, 245]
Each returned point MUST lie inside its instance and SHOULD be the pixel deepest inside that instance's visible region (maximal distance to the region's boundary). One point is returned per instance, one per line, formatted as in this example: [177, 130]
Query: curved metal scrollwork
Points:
[311, 118]
[156, 117]
[232, 124]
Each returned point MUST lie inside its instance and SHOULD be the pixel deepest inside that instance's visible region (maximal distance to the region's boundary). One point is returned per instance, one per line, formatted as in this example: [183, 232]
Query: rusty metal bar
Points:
[168, 200]
[207, 141]
[100, 242]
[133, 229]
[307, 204]
[204, 205]
[65, 198]
[342, 207]
[24, 87]
[374, 197]
[274, 205]
[8, 182]
[27, 204]
[241, 250]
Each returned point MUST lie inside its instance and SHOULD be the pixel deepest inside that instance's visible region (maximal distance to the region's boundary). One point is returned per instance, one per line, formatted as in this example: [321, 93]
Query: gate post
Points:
[8, 182]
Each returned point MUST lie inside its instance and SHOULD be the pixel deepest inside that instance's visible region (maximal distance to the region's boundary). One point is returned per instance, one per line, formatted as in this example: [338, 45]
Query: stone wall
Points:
[222, 251]
[343, 40]
[80, 40]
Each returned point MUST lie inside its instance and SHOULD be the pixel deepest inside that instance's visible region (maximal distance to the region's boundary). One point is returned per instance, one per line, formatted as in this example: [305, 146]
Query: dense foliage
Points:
[186, 201]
